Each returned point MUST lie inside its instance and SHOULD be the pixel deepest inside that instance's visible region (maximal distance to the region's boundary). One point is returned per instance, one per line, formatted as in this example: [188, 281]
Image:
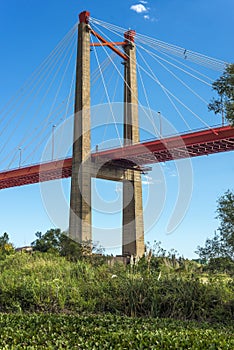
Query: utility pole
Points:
[53, 127]
[20, 157]
[160, 124]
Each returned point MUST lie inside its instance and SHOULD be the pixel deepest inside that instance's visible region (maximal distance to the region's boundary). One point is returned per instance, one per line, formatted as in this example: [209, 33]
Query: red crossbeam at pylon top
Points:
[194, 144]
[109, 44]
[116, 43]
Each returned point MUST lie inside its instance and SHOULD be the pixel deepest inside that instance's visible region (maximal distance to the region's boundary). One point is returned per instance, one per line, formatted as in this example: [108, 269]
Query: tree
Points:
[6, 247]
[70, 249]
[226, 216]
[49, 241]
[4, 239]
[224, 86]
[56, 241]
[222, 244]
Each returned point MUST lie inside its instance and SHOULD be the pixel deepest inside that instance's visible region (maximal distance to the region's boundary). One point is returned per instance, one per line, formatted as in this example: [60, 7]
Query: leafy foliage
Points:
[109, 332]
[44, 282]
[226, 216]
[6, 247]
[224, 86]
[49, 241]
[56, 241]
[222, 244]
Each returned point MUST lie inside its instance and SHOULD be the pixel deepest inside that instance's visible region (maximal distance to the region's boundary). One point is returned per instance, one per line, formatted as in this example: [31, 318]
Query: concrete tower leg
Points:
[133, 226]
[80, 200]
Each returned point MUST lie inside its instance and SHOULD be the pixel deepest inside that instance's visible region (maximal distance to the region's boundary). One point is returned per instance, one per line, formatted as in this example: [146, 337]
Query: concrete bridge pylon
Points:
[80, 222]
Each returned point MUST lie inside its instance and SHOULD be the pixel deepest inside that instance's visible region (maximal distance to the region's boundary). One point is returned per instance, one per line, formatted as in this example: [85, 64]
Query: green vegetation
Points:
[224, 86]
[220, 249]
[161, 287]
[61, 297]
[6, 247]
[55, 241]
[109, 332]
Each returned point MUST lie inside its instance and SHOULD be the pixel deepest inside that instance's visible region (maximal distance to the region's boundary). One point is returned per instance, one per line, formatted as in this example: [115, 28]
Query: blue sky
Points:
[29, 30]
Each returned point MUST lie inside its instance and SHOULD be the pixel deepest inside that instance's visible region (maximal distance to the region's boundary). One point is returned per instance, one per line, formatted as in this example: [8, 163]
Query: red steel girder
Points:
[194, 144]
[204, 138]
[118, 43]
[36, 173]
[109, 44]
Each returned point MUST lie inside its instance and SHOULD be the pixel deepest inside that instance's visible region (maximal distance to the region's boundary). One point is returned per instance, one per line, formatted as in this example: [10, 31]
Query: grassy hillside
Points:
[44, 282]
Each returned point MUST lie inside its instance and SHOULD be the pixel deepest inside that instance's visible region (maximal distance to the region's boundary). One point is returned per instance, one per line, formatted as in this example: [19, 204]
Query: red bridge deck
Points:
[182, 146]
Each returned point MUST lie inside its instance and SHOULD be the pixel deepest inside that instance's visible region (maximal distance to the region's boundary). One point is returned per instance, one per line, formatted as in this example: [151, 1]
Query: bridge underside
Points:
[194, 144]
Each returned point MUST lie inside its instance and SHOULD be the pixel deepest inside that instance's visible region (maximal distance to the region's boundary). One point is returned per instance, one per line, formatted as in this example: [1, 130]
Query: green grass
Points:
[41, 331]
[44, 283]
[47, 302]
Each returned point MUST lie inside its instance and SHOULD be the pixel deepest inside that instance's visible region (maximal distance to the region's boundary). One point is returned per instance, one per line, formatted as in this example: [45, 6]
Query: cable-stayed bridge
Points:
[47, 100]
[199, 143]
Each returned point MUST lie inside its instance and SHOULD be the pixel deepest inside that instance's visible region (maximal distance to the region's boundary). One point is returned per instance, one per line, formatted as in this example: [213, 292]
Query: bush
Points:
[44, 282]
[109, 332]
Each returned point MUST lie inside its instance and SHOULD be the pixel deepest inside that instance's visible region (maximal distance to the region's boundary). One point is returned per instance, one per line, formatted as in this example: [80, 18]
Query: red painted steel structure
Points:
[109, 44]
[193, 144]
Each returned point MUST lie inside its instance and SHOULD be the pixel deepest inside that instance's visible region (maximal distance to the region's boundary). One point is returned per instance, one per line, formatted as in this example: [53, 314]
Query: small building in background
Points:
[26, 249]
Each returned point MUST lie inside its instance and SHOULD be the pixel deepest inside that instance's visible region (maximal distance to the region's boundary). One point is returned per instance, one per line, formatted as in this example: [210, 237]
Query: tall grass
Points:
[43, 282]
